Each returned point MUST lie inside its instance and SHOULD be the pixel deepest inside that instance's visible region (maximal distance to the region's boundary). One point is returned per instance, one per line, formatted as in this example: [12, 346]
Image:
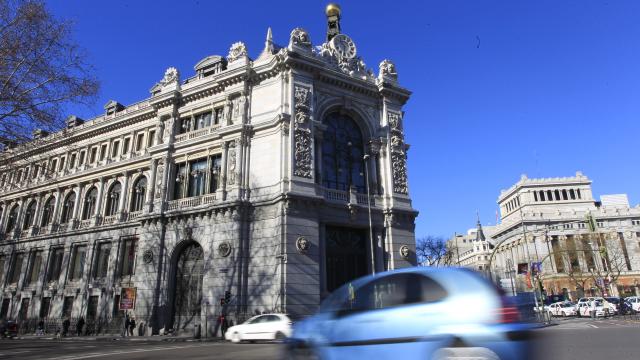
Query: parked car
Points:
[563, 308]
[261, 327]
[414, 313]
[8, 328]
[635, 302]
[592, 307]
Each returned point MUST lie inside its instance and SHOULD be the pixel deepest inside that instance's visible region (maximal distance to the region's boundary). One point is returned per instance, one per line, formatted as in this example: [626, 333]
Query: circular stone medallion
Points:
[224, 249]
[147, 256]
[404, 251]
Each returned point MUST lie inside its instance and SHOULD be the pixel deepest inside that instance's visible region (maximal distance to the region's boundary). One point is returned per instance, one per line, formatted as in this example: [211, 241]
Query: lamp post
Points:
[366, 175]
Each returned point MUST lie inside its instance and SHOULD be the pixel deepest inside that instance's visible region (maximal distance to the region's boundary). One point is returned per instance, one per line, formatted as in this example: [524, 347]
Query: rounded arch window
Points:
[90, 203]
[113, 199]
[29, 215]
[342, 154]
[67, 207]
[139, 193]
[13, 218]
[47, 212]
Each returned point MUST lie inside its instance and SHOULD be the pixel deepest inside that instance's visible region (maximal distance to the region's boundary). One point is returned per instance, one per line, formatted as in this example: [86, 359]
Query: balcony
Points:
[196, 133]
[341, 196]
[191, 202]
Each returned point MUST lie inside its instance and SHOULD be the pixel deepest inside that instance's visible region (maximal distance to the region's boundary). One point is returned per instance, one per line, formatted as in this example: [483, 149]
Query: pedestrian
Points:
[65, 327]
[223, 324]
[40, 330]
[79, 326]
[132, 325]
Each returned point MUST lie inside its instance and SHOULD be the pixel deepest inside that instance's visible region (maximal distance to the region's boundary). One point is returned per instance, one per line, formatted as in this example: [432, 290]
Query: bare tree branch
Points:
[433, 251]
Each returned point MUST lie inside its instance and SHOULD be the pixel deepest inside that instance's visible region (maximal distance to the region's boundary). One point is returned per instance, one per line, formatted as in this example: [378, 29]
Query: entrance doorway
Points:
[346, 255]
[187, 295]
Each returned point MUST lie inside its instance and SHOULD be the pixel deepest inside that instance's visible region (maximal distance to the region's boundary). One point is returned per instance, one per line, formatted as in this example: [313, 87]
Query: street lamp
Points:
[366, 175]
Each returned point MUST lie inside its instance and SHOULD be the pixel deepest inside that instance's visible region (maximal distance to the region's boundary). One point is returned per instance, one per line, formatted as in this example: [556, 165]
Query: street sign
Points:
[127, 298]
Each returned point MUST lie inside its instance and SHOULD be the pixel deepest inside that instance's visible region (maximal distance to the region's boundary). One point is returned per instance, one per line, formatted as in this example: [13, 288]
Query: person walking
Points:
[80, 326]
[132, 325]
[40, 330]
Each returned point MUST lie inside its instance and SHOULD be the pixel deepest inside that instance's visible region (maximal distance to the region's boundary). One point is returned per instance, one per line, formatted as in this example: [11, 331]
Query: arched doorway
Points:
[187, 293]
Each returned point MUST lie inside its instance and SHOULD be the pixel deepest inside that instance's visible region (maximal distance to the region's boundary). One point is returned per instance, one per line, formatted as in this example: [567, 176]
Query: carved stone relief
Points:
[302, 135]
[398, 155]
[300, 37]
[388, 69]
[237, 51]
[159, 174]
[231, 169]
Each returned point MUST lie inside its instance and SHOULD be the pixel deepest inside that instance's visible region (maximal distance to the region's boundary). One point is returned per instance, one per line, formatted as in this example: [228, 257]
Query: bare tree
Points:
[433, 251]
[41, 70]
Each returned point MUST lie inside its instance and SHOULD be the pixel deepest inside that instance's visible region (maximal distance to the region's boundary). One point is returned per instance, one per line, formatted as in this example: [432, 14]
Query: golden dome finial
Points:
[333, 9]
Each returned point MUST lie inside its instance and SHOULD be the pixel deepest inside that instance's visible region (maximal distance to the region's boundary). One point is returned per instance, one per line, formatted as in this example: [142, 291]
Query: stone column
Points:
[149, 195]
[98, 208]
[76, 205]
[124, 195]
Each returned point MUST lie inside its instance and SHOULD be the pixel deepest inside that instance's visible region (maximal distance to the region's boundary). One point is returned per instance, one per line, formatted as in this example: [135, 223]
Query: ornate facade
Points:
[245, 182]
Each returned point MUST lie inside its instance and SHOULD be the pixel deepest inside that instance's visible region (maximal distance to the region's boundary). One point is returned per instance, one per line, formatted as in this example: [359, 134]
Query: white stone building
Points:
[553, 214]
[247, 180]
[472, 249]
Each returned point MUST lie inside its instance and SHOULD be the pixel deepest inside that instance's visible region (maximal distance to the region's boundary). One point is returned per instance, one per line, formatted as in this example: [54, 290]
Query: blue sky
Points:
[500, 88]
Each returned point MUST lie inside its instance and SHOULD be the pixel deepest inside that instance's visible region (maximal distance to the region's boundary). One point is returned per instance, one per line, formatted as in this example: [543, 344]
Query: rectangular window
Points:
[16, 269]
[81, 158]
[45, 305]
[103, 152]
[1, 269]
[34, 270]
[62, 159]
[185, 125]
[115, 147]
[102, 261]
[202, 120]
[139, 142]
[152, 135]
[180, 181]
[77, 262]
[92, 307]
[24, 309]
[127, 256]
[94, 152]
[4, 311]
[72, 161]
[55, 265]
[197, 177]
[115, 312]
[216, 167]
[54, 165]
[67, 306]
[125, 145]
[623, 246]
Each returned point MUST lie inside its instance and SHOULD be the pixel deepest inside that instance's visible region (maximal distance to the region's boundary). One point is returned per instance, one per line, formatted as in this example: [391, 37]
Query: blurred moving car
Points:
[563, 308]
[414, 313]
[260, 327]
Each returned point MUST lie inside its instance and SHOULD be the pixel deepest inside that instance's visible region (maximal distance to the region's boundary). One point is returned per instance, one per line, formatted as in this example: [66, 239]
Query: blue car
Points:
[414, 313]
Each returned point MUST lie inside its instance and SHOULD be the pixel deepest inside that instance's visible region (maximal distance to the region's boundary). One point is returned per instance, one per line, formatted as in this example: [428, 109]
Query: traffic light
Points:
[227, 297]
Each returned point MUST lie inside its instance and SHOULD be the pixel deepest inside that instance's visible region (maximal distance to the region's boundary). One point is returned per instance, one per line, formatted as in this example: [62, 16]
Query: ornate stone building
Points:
[247, 181]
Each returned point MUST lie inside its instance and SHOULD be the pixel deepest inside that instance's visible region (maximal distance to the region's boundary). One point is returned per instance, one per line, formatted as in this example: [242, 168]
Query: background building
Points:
[583, 246]
[473, 249]
[242, 188]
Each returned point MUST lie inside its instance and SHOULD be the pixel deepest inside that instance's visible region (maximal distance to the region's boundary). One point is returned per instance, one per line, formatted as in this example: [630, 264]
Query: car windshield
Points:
[566, 305]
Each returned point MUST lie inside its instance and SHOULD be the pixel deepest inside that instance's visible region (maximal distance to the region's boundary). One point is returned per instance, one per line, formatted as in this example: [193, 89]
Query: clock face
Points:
[343, 46]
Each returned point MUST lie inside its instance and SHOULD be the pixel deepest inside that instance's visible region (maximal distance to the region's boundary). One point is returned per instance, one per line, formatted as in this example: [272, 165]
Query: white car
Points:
[563, 308]
[634, 301]
[597, 306]
[261, 327]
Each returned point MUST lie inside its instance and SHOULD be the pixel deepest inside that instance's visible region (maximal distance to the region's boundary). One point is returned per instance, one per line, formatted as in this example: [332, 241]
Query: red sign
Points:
[127, 299]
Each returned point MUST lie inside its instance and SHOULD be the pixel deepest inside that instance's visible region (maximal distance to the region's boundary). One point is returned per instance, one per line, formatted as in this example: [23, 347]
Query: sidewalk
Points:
[158, 338]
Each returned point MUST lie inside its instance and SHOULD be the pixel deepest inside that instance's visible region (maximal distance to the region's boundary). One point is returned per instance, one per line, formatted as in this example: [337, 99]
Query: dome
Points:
[333, 10]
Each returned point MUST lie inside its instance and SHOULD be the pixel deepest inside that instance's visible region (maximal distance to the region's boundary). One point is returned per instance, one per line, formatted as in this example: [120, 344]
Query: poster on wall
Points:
[127, 298]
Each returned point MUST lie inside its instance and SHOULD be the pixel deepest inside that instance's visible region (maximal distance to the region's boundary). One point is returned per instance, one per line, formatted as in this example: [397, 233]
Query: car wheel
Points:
[279, 336]
[235, 338]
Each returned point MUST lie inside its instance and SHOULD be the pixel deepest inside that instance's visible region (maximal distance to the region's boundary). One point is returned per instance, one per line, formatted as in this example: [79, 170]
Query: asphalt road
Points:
[569, 339]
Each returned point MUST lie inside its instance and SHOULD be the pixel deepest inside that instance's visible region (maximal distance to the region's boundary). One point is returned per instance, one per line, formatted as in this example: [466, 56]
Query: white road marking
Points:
[94, 355]
[593, 326]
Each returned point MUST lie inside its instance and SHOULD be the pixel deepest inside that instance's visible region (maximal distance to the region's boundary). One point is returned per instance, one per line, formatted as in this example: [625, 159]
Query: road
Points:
[579, 339]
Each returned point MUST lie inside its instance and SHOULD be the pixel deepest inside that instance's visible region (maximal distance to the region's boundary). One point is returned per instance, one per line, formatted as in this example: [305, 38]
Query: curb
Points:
[117, 338]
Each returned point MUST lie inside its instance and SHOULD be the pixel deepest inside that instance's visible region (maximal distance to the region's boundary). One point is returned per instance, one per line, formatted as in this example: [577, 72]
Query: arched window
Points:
[113, 199]
[90, 203]
[342, 154]
[13, 218]
[67, 207]
[47, 212]
[139, 193]
[29, 215]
